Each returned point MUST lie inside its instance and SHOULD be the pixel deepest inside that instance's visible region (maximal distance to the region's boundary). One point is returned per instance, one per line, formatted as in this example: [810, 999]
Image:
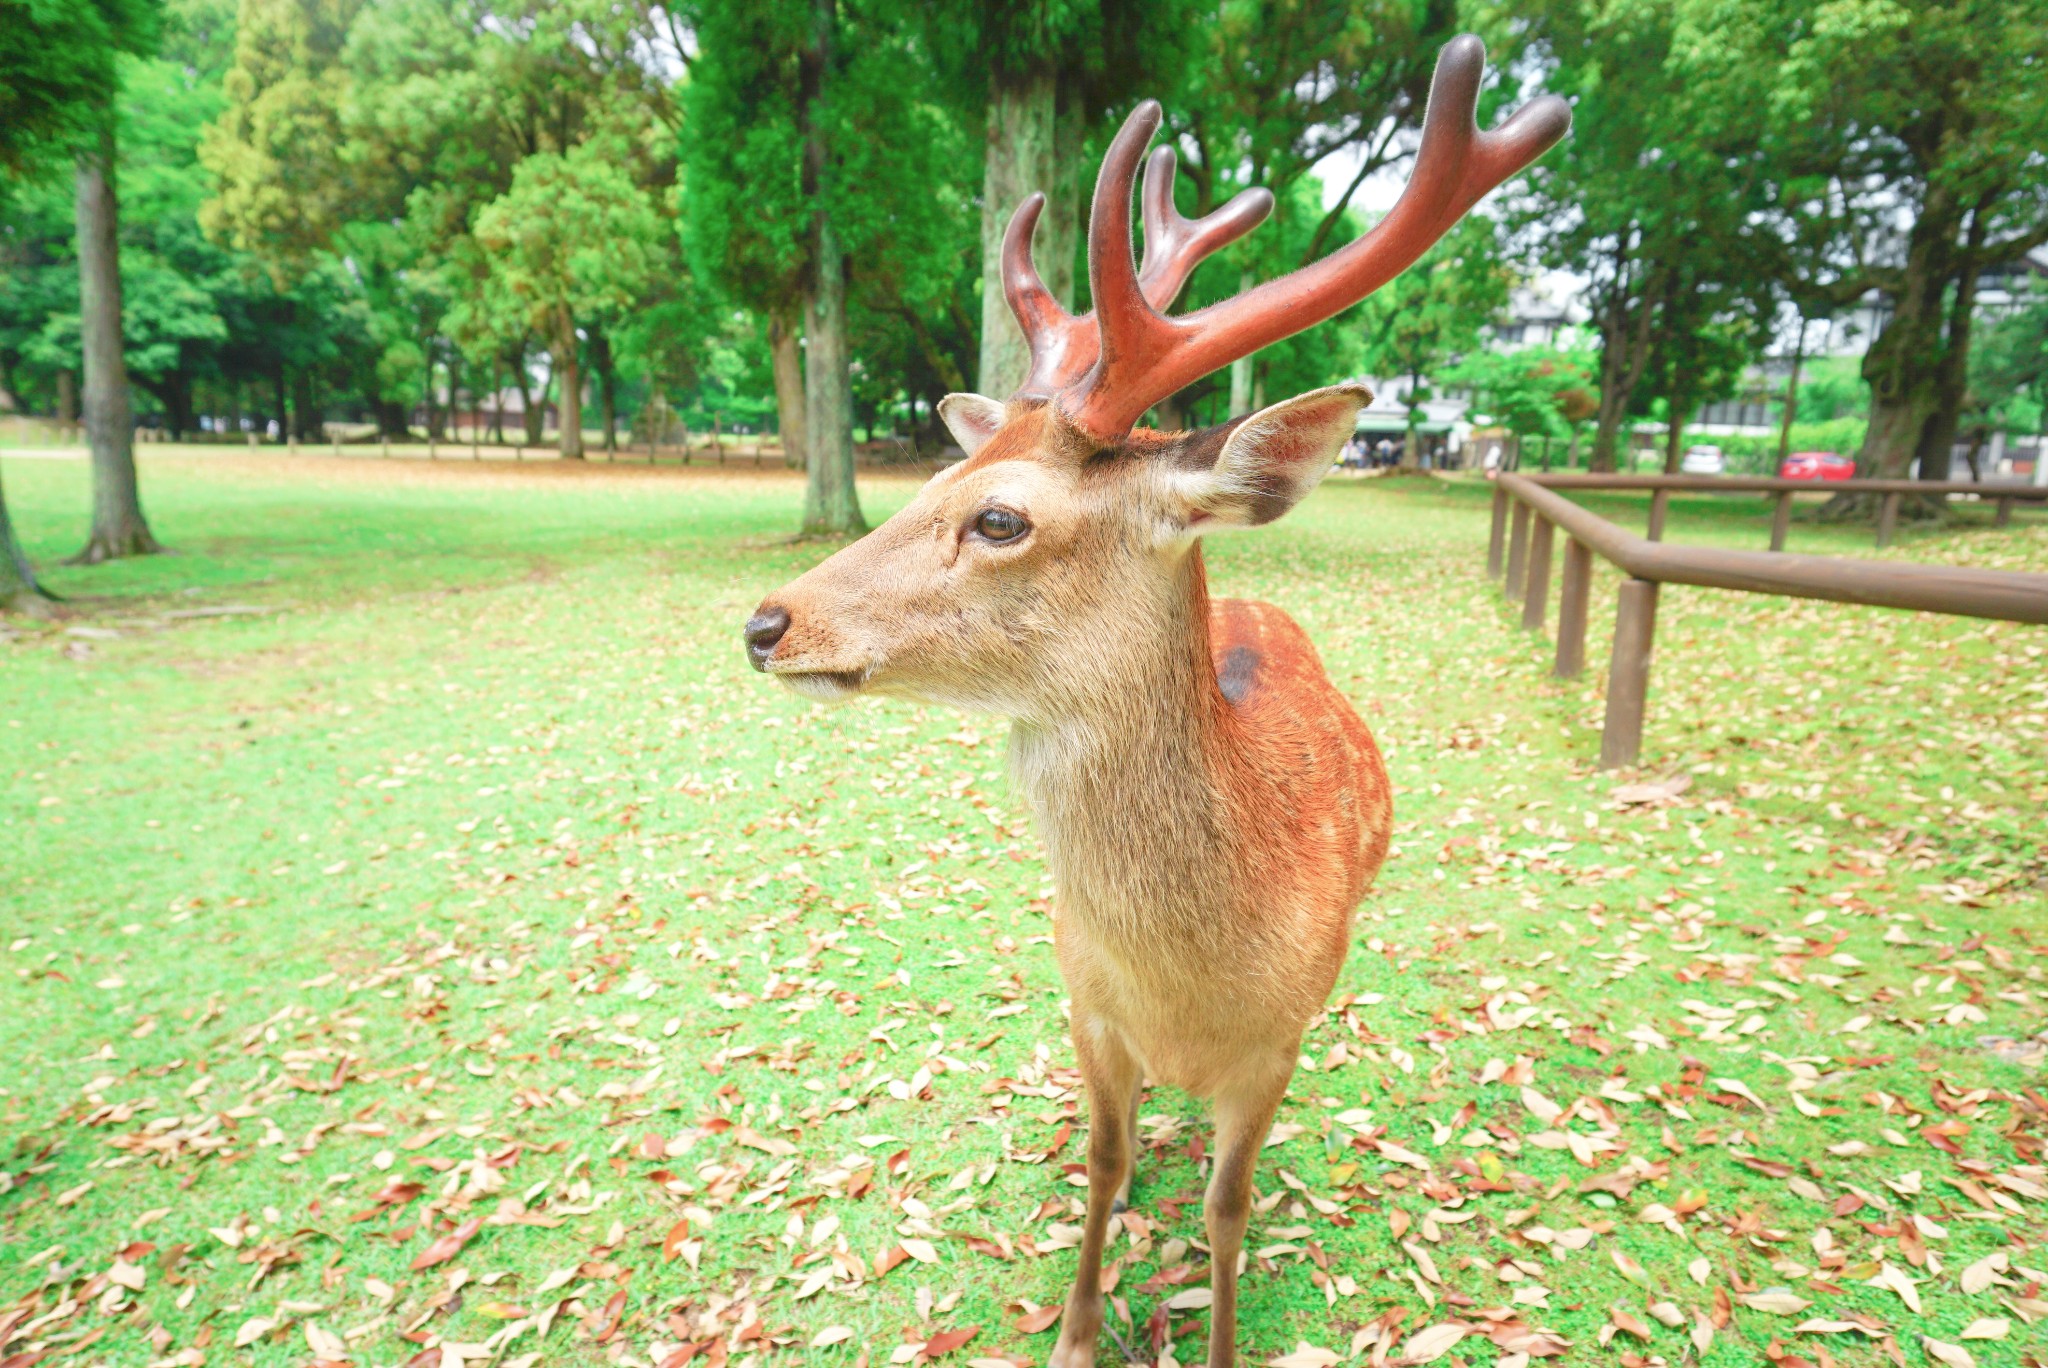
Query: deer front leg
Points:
[1244, 1117]
[1112, 1078]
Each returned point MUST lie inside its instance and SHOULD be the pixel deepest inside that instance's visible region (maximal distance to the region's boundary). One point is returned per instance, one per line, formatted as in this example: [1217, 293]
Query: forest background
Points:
[605, 222]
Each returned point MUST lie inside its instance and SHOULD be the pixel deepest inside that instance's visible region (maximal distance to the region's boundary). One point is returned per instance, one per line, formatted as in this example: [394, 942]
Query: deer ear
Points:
[1271, 460]
[971, 418]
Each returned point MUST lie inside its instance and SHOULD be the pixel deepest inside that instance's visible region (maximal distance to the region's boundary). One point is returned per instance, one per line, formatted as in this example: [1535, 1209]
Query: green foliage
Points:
[1758, 455]
[1832, 387]
[1533, 392]
[58, 71]
[900, 189]
[1439, 307]
[1652, 201]
[573, 236]
[1903, 141]
[2009, 371]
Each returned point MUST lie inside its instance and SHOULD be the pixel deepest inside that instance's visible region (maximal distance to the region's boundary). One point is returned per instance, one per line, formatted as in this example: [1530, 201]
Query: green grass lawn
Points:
[453, 953]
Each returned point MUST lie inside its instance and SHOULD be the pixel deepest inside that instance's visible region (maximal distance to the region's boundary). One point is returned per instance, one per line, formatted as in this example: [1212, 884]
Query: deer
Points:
[1211, 806]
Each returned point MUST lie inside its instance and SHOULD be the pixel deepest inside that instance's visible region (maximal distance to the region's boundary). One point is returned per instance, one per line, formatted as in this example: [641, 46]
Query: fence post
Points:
[2004, 517]
[1497, 538]
[1659, 501]
[1887, 520]
[1628, 677]
[1781, 520]
[1571, 608]
[1518, 548]
[1537, 572]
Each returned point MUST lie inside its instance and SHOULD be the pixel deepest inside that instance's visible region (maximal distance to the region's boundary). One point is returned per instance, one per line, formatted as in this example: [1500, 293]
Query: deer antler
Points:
[1063, 346]
[1139, 356]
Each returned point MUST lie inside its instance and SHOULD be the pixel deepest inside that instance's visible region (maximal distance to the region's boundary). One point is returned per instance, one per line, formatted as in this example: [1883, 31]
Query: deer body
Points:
[1211, 805]
[1208, 853]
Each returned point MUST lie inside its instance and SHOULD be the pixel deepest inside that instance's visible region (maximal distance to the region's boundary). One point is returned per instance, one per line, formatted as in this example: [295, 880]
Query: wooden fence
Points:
[1528, 510]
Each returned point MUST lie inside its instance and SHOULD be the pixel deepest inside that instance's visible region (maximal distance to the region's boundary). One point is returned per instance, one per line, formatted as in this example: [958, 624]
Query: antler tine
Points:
[1062, 346]
[1124, 318]
[1174, 245]
[1146, 357]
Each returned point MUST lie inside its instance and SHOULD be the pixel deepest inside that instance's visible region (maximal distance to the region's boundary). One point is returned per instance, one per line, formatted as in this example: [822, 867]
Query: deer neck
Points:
[1127, 783]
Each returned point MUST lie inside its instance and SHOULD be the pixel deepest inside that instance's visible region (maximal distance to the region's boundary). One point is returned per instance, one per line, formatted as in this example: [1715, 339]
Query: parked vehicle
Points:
[1703, 460]
[1816, 465]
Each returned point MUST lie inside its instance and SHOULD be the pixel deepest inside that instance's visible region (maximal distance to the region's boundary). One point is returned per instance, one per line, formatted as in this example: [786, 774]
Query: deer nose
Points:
[764, 629]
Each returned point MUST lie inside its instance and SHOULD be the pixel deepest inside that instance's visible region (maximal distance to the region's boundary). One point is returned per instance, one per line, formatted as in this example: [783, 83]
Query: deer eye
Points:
[1001, 525]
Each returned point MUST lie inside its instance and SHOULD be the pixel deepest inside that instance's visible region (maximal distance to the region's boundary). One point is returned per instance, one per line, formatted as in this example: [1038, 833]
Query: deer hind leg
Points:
[1123, 1193]
[1244, 1117]
[1112, 1076]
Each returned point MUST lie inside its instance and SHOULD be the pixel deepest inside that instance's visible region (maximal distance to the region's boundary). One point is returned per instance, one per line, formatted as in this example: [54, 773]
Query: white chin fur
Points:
[819, 688]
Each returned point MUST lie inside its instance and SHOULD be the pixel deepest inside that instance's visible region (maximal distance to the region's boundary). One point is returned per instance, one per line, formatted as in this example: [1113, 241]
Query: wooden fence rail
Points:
[1528, 511]
[1890, 492]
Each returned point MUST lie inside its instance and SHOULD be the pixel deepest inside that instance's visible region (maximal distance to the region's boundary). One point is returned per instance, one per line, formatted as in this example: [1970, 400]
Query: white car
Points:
[1703, 460]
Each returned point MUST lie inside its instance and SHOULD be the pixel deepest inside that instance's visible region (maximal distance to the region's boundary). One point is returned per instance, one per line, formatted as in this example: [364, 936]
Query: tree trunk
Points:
[607, 387]
[831, 505]
[277, 390]
[67, 400]
[784, 346]
[1674, 433]
[1411, 442]
[1952, 379]
[569, 366]
[534, 413]
[1241, 369]
[19, 592]
[306, 423]
[1169, 414]
[118, 527]
[1033, 143]
[1904, 363]
[1791, 397]
[1624, 350]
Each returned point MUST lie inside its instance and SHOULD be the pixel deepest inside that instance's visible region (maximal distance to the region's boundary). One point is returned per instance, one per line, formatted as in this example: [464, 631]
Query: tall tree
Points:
[572, 238]
[118, 527]
[1647, 197]
[1033, 79]
[817, 174]
[1435, 311]
[58, 72]
[743, 225]
[831, 503]
[1270, 91]
[1907, 142]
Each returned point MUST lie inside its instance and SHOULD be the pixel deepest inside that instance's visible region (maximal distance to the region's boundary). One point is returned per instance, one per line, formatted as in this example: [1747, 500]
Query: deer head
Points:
[1027, 578]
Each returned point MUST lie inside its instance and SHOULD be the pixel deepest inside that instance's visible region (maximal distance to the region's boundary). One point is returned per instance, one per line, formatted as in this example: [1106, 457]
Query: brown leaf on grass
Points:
[605, 1324]
[1039, 1321]
[1628, 1323]
[1651, 791]
[672, 1243]
[392, 1194]
[946, 1341]
[449, 1245]
[1954, 1355]
[1428, 1345]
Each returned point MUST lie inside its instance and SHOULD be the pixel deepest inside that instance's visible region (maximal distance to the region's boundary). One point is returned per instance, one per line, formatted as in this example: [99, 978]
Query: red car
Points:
[1816, 465]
